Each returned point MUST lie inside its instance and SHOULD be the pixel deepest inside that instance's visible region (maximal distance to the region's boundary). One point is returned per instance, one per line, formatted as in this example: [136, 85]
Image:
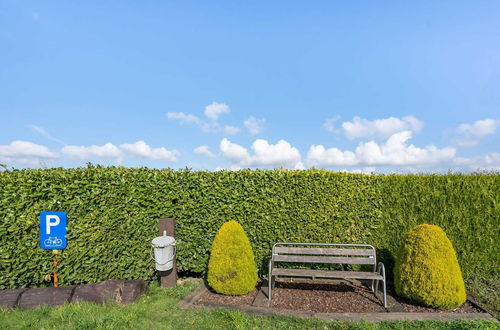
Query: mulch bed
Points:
[244, 300]
[326, 296]
[412, 307]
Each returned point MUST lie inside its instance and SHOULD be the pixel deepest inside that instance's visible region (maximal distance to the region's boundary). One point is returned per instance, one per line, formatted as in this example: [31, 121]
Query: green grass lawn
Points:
[157, 309]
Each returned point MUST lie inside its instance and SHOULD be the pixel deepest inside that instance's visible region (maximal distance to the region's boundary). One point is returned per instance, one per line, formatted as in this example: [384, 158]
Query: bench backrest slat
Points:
[325, 260]
[323, 251]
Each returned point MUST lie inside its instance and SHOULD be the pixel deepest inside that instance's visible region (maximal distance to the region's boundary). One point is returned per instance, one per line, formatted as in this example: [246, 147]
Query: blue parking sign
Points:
[53, 230]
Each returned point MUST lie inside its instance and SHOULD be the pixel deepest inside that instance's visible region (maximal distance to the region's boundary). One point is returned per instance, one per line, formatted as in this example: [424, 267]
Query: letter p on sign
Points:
[51, 220]
[53, 230]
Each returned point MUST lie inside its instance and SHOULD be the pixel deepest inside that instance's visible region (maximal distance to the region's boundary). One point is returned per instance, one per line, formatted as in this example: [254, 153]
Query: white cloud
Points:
[489, 162]
[328, 124]
[189, 119]
[204, 151]
[230, 130]
[142, 149]
[379, 128]
[264, 154]
[184, 118]
[280, 154]
[107, 150]
[394, 152]
[469, 135]
[110, 151]
[234, 152]
[254, 125]
[299, 166]
[214, 110]
[207, 127]
[319, 156]
[42, 131]
[25, 152]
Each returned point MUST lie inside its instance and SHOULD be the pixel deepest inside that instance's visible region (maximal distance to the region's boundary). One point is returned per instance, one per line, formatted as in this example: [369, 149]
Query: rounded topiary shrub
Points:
[427, 269]
[232, 269]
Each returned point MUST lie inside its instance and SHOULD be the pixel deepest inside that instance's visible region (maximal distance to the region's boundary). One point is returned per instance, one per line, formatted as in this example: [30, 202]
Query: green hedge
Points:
[113, 212]
[467, 207]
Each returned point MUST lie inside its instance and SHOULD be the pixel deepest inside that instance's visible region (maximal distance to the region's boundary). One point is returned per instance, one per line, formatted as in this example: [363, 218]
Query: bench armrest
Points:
[381, 269]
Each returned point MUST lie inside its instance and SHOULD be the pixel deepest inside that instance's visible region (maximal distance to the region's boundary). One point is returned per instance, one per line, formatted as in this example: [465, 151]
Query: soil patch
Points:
[245, 300]
[326, 296]
[327, 300]
[339, 297]
[412, 307]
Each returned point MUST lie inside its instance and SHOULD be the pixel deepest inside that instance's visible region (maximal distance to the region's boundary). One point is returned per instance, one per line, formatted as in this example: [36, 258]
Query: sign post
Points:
[53, 235]
[168, 278]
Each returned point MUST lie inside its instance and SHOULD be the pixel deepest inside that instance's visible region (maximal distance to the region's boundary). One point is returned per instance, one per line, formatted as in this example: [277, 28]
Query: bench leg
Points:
[385, 294]
[270, 280]
[381, 270]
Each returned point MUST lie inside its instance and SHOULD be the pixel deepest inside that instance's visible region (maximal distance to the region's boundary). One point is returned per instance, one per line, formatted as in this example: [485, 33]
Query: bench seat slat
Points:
[324, 251]
[325, 260]
[326, 274]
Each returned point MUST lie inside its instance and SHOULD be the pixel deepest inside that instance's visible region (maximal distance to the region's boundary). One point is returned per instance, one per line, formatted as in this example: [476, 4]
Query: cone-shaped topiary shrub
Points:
[232, 269]
[427, 269]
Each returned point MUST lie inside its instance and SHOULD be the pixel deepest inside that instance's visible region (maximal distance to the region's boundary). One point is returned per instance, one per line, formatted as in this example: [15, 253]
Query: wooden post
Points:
[169, 277]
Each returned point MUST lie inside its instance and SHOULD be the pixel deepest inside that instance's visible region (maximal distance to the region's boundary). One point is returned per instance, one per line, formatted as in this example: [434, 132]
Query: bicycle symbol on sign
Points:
[53, 241]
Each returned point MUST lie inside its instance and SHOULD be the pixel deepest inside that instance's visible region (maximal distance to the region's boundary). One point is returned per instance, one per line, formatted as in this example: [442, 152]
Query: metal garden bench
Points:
[347, 254]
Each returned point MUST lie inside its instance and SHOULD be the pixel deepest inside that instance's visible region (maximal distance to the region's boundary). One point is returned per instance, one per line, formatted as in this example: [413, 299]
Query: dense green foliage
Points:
[427, 269]
[231, 269]
[467, 207]
[113, 212]
[157, 309]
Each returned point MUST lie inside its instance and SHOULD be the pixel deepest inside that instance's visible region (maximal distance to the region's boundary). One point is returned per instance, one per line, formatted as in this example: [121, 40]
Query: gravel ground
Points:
[326, 297]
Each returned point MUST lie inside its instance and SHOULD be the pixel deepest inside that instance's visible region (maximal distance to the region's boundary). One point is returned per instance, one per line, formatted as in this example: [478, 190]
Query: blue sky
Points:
[367, 86]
